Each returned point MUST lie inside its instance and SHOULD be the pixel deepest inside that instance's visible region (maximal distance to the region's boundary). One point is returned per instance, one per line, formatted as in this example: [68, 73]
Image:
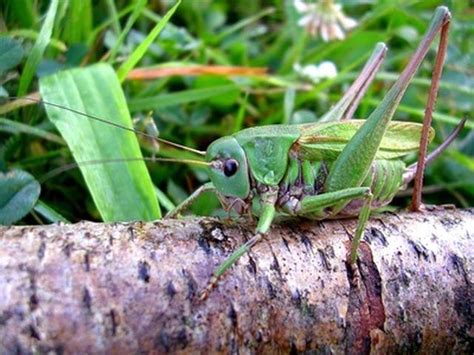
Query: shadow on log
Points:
[129, 288]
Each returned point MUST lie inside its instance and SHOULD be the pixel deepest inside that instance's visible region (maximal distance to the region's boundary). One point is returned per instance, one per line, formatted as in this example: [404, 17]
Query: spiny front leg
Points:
[222, 268]
[266, 218]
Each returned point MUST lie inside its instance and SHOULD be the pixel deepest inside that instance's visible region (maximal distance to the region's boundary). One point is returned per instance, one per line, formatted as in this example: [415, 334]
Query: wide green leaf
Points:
[122, 191]
[19, 192]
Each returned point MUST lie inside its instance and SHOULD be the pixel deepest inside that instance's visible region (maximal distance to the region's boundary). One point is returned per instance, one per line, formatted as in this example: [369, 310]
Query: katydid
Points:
[337, 167]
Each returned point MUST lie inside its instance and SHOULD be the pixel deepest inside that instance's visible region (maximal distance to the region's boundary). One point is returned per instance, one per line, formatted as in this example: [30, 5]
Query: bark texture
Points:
[129, 288]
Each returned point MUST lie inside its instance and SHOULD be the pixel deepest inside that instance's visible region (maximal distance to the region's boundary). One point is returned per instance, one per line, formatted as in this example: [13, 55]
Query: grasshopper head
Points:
[229, 169]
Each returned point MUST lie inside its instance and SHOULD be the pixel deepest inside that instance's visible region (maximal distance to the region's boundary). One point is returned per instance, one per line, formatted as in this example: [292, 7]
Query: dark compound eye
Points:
[230, 167]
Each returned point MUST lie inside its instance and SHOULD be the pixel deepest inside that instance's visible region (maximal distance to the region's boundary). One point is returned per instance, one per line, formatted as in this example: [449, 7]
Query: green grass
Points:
[121, 191]
[37, 52]
[52, 37]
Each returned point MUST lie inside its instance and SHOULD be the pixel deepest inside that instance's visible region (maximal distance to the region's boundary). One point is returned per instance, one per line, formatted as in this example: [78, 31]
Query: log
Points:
[133, 287]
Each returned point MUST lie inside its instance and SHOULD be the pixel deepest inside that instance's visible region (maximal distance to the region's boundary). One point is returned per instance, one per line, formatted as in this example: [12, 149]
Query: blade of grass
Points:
[239, 119]
[7, 125]
[245, 22]
[142, 48]
[38, 49]
[137, 10]
[121, 191]
[78, 21]
[100, 28]
[463, 159]
[40, 160]
[49, 213]
[18, 103]
[114, 16]
[165, 100]
[31, 34]
[59, 20]
[24, 12]
[164, 201]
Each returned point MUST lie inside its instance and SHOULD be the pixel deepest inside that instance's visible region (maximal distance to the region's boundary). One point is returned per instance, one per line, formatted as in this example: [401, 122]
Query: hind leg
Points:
[435, 79]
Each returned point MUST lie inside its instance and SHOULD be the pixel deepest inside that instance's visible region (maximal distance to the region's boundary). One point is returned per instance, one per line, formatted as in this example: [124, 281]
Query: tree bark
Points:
[132, 287]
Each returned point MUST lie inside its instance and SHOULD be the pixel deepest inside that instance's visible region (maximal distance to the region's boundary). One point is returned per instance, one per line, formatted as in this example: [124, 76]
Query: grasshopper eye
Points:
[230, 167]
[229, 171]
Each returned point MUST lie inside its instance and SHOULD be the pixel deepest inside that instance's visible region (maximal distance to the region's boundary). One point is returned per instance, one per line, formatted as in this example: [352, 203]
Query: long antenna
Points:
[70, 166]
[103, 120]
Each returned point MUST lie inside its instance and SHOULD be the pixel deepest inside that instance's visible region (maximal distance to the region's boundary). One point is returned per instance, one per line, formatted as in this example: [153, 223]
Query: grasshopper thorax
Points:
[228, 168]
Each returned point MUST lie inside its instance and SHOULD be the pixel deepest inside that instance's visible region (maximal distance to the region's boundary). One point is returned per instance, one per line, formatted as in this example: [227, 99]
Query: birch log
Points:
[132, 287]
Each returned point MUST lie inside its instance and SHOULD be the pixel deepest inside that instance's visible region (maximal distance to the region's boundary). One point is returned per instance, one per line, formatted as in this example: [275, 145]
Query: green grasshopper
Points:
[335, 168]
[330, 169]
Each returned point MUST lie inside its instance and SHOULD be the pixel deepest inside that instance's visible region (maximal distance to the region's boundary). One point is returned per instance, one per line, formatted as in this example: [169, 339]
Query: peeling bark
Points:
[132, 287]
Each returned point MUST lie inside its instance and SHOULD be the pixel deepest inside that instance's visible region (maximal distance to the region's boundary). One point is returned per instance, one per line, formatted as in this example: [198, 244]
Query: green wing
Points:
[325, 141]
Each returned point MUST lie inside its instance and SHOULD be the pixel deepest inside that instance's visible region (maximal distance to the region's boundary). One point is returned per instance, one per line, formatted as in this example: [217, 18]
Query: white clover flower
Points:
[324, 17]
[316, 73]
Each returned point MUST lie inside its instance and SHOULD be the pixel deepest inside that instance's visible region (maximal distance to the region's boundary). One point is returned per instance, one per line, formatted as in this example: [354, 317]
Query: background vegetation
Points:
[194, 110]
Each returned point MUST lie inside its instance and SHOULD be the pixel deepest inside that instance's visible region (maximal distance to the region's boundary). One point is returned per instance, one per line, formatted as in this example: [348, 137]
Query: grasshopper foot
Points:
[210, 286]
[421, 208]
[353, 272]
